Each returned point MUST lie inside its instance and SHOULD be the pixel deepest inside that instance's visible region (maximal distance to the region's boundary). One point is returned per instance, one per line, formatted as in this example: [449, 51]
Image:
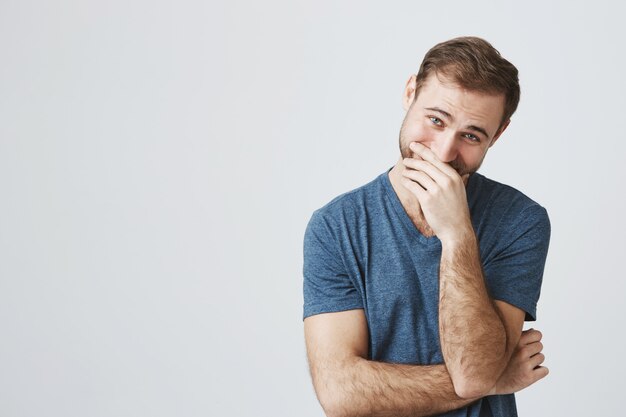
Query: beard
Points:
[461, 168]
[458, 165]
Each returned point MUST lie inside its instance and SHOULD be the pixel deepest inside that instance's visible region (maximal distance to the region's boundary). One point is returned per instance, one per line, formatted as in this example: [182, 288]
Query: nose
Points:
[445, 147]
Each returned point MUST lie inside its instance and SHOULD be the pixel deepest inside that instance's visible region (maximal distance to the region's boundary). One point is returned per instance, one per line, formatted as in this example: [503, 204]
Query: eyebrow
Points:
[449, 116]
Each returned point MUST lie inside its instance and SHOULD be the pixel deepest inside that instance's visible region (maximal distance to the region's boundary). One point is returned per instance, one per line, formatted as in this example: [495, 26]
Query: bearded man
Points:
[417, 284]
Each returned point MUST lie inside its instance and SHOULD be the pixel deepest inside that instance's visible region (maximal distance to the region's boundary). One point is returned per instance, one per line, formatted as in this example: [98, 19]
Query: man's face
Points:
[458, 125]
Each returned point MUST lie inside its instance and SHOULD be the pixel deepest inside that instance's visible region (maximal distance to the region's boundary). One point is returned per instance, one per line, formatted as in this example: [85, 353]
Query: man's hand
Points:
[524, 367]
[440, 191]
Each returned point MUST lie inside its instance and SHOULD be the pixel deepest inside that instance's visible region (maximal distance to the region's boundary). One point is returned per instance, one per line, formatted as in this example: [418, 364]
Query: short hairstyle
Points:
[475, 64]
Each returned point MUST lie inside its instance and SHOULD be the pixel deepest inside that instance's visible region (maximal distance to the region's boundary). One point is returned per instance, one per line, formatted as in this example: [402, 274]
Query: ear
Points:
[409, 93]
[500, 131]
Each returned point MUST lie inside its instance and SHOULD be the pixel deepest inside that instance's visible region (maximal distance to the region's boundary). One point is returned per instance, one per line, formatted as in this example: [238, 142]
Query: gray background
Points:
[159, 161]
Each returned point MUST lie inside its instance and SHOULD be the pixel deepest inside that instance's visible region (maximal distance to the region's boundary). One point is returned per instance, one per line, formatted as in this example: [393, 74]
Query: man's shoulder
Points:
[501, 195]
[505, 207]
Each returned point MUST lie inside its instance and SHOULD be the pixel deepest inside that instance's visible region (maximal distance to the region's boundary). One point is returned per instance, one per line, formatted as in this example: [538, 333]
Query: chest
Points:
[399, 282]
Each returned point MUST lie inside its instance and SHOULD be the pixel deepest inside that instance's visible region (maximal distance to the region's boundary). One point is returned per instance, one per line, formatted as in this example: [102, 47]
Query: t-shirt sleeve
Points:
[514, 274]
[327, 285]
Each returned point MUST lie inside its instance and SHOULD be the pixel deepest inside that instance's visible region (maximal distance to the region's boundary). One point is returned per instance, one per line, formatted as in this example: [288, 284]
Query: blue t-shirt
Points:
[361, 250]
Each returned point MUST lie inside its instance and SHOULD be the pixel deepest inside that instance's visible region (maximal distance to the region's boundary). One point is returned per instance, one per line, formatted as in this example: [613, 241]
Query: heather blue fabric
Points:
[361, 251]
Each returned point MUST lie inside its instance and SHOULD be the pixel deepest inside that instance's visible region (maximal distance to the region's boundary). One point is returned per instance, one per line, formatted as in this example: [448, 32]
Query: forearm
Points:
[360, 387]
[473, 337]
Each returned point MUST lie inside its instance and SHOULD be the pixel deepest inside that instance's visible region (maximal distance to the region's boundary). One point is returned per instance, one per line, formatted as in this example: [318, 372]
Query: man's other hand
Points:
[524, 367]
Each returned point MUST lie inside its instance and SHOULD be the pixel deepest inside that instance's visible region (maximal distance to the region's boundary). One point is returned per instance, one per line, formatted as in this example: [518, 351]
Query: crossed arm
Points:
[347, 384]
[477, 334]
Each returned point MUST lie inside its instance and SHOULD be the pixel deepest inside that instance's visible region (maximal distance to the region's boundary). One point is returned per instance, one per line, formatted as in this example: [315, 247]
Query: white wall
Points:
[159, 161]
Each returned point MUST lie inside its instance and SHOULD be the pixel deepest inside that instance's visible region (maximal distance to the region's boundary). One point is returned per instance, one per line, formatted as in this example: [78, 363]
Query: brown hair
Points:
[475, 64]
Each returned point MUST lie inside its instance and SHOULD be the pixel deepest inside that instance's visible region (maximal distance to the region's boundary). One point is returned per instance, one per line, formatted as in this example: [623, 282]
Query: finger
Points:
[532, 349]
[414, 187]
[540, 372]
[426, 154]
[536, 360]
[420, 177]
[432, 171]
[530, 336]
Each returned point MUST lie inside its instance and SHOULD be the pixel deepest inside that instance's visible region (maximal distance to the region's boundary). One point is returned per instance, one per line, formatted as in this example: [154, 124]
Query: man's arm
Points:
[347, 384]
[477, 335]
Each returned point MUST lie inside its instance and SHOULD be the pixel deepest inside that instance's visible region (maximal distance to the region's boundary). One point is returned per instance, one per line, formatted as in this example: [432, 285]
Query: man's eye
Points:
[471, 137]
[436, 120]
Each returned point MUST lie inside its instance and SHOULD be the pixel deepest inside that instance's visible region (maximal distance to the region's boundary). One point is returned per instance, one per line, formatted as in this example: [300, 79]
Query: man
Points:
[417, 284]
